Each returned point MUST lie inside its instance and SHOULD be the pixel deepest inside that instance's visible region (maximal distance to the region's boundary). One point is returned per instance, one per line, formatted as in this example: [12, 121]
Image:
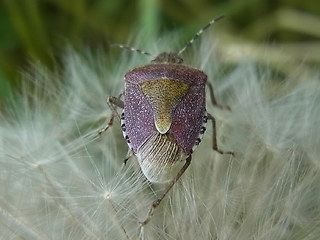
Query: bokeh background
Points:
[283, 34]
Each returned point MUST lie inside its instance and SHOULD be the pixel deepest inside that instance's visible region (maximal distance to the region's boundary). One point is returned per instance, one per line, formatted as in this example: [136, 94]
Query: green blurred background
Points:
[283, 33]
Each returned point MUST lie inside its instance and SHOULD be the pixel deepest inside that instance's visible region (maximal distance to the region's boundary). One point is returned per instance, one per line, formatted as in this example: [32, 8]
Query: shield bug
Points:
[164, 115]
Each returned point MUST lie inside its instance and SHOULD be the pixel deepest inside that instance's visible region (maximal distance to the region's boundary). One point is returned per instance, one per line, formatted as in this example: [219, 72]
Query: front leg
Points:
[214, 137]
[213, 99]
[113, 103]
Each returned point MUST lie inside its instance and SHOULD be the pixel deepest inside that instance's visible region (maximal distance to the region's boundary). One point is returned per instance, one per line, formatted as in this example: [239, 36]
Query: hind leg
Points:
[157, 202]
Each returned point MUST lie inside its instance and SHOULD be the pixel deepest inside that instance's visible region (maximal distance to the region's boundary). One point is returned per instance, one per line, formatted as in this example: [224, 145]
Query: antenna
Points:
[199, 33]
[132, 49]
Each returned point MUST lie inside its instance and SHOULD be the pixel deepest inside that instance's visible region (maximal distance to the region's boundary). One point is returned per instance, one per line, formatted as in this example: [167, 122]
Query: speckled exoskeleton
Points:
[164, 115]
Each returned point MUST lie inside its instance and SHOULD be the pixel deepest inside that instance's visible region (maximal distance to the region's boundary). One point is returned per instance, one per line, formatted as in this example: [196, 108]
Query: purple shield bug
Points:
[164, 115]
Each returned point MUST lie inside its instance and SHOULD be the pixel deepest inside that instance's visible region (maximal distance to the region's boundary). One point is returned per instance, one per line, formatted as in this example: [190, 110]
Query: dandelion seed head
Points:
[59, 180]
[107, 195]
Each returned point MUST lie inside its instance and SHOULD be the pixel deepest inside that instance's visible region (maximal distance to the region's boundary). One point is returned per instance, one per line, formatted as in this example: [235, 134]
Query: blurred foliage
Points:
[39, 30]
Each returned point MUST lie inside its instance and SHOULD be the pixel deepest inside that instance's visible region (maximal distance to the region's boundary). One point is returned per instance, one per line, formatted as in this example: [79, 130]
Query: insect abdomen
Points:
[159, 156]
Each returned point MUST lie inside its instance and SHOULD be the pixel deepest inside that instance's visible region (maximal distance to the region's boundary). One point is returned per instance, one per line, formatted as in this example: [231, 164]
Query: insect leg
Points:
[113, 103]
[129, 155]
[213, 100]
[214, 137]
[156, 203]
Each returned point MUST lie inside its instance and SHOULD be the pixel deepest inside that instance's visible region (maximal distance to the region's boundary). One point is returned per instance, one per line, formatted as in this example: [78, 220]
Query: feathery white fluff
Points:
[59, 180]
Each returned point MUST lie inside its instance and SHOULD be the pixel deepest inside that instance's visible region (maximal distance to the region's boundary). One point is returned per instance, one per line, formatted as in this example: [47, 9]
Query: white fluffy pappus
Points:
[59, 180]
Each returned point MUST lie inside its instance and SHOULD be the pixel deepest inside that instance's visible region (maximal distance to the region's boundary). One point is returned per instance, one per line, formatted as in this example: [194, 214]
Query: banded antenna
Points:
[199, 33]
[132, 49]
